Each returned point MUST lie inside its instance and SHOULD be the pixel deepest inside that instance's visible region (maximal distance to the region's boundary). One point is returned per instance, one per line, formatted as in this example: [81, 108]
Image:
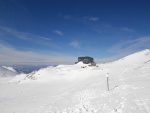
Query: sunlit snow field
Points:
[73, 89]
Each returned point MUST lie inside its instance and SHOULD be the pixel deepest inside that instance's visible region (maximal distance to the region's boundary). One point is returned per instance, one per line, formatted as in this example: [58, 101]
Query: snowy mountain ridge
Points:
[7, 71]
[81, 71]
[10, 68]
[136, 58]
[80, 88]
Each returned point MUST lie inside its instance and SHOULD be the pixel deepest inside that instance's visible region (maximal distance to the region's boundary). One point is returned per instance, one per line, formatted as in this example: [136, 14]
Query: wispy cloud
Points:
[21, 35]
[127, 47]
[88, 18]
[12, 55]
[77, 18]
[93, 18]
[74, 44]
[58, 32]
[126, 29]
[15, 33]
[67, 17]
[24, 36]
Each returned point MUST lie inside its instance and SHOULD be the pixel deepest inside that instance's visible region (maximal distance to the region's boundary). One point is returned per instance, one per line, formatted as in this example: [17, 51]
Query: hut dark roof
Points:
[86, 59]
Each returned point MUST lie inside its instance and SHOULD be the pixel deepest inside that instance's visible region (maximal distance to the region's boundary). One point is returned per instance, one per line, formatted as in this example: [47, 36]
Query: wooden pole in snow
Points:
[107, 75]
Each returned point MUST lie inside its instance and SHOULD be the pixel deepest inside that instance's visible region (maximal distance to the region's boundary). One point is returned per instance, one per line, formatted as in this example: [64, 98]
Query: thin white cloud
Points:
[24, 36]
[48, 39]
[93, 18]
[126, 29]
[90, 18]
[75, 44]
[15, 33]
[21, 35]
[127, 47]
[66, 16]
[12, 55]
[58, 32]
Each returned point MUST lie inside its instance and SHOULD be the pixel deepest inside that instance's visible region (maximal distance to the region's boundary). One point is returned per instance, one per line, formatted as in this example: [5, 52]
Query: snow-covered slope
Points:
[135, 59]
[10, 68]
[63, 72]
[7, 71]
[80, 88]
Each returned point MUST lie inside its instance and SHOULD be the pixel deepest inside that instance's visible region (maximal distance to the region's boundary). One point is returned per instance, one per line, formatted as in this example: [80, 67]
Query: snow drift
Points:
[80, 88]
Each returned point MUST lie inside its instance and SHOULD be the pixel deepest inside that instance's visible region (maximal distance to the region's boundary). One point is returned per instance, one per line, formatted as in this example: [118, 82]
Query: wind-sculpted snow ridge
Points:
[7, 71]
[80, 88]
[10, 68]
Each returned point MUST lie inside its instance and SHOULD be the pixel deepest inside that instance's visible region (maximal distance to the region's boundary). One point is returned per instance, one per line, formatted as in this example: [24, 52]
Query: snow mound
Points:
[80, 64]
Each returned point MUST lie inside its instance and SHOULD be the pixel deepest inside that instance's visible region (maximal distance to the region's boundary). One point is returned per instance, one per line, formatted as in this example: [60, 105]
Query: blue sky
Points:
[58, 31]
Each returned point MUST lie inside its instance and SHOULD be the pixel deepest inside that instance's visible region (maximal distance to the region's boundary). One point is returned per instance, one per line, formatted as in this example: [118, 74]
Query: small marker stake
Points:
[107, 76]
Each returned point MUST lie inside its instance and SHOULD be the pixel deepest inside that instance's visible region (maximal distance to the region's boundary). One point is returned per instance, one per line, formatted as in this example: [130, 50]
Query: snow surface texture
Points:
[80, 88]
